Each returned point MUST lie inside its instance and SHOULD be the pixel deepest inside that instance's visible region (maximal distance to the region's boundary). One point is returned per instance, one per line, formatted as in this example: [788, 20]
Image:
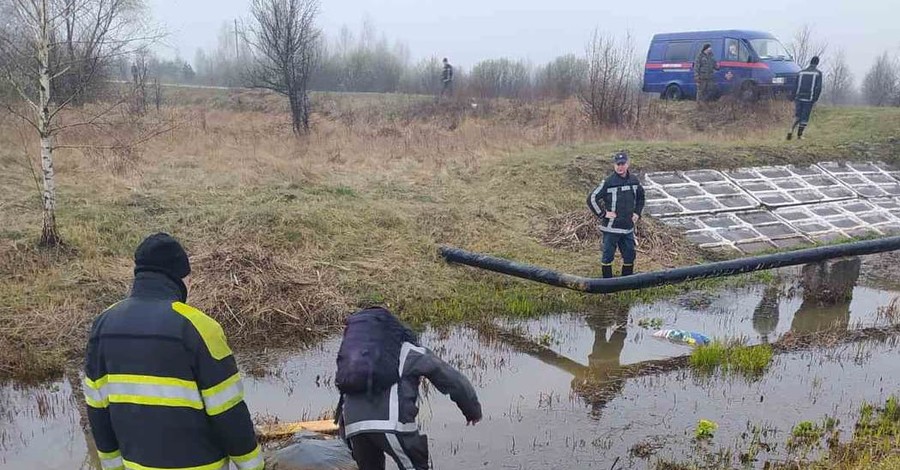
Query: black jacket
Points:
[624, 196]
[395, 410]
[447, 73]
[162, 387]
[809, 85]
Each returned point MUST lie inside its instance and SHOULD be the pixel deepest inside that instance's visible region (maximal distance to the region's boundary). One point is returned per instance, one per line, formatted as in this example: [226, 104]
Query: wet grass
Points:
[749, 361]
[873, 445]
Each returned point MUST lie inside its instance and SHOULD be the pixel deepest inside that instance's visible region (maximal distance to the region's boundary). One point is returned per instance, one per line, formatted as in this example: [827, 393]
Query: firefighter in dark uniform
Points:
[161, 384]
[809, 87]
[618, 202]
[447, 79]
[705, 67]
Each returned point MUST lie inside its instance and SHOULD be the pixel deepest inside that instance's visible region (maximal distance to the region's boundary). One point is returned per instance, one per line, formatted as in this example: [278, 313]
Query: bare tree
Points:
[805, 45]
[609, 95]
[839, 80]
[284, 39]
[51, 52]
[881, 87]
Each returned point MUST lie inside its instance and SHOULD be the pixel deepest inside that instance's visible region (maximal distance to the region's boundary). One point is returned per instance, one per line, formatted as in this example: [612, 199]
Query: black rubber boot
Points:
[800, 132]
[607, 271]
[627, 269]
[790, 135]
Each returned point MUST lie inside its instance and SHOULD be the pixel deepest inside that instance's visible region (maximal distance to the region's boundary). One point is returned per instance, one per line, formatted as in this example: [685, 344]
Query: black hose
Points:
[594, 285]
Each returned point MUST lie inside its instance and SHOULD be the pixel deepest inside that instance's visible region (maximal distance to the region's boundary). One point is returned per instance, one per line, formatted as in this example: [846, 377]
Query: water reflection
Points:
[827, 293]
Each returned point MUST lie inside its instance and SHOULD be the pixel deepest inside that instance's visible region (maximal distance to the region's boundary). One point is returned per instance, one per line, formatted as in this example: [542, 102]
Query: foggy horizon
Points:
[467, 31]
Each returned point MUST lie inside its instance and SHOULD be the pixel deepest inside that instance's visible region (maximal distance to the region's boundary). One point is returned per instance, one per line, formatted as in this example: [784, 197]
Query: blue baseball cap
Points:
[620, 157]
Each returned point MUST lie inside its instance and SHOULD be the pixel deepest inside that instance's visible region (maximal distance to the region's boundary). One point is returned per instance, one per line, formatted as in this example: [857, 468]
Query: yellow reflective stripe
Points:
[93, 395]
[209, 330]
[250, 461]
[95, 384]
[220, 465]
[109, 455]
[155, 401]
[142, 390]
[150, 380]
[223, 396]
[111, 460]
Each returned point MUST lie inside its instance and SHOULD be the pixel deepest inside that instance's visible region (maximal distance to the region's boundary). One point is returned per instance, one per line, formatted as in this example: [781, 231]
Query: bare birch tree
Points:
[805, 45]
[285, 42]
[51, 52]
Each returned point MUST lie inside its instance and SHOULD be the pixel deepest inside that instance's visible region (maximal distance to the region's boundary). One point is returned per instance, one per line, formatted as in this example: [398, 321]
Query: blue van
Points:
[750, 62]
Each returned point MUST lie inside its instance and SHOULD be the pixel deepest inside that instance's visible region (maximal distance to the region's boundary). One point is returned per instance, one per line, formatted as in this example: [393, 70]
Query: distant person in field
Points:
[809, 87]
[618, 202]
[447, 79]
[380, 367]
[705, 67]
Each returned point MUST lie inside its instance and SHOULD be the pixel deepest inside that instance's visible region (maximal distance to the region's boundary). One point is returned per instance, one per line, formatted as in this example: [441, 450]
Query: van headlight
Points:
[778, 80]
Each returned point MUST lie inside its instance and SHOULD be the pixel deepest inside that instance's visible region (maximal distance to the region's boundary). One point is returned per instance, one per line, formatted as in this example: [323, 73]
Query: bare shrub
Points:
[839, 86]
[611, 95]
[881, 86]
[805, 45]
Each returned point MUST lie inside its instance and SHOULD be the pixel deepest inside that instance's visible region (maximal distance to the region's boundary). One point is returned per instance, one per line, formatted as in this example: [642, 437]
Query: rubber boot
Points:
[627, 269]
[607, 271]
[790, 135]
[800, 132]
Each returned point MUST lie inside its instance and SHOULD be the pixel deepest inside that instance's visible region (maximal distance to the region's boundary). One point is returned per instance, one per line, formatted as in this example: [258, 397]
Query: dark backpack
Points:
[369, 358]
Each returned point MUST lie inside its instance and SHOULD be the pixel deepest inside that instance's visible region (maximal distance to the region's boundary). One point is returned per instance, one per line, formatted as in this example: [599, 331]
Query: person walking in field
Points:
[447, 79]
[618, 201]
[161, 384]
[809, 88]
[705, 67]
[380, 366]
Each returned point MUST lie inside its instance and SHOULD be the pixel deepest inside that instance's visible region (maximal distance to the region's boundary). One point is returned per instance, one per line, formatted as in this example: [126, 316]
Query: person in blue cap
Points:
[618, 201]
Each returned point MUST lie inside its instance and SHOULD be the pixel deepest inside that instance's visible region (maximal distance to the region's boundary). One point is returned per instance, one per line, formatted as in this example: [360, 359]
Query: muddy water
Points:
[534, 418]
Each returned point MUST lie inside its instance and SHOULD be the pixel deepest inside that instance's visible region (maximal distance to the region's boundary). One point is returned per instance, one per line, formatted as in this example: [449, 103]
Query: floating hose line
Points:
[593, 285]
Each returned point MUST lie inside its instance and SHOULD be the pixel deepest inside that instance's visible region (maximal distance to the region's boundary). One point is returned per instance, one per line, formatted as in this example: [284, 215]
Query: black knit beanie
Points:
[162, 253]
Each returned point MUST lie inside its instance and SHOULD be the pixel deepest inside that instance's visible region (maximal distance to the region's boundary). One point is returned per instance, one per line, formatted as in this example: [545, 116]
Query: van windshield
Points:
[770, 49]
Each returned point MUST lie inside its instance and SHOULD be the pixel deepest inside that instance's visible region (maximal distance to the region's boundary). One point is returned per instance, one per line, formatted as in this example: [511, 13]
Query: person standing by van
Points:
[618, 202]
[705, 67]
[809, 87]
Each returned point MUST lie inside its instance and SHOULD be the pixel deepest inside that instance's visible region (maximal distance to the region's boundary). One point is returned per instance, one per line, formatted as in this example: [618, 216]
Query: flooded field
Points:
[532, 377]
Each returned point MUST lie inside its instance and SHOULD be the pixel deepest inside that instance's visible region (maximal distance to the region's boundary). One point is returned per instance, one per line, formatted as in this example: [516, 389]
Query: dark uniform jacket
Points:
[162, 387]
[395, 410]
[809, 85]
[622, 195]
[447, 73]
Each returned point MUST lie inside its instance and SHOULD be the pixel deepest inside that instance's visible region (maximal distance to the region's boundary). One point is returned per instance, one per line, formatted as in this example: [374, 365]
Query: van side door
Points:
[735, 65]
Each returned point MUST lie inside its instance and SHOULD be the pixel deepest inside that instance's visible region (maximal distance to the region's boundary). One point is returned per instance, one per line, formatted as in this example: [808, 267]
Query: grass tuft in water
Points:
[749, 361]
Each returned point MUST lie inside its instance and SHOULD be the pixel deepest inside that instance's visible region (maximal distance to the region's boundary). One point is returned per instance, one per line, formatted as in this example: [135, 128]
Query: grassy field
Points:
[288, 235]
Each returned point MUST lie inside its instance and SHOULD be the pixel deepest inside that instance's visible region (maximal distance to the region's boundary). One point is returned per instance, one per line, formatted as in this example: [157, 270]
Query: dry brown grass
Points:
[659, 246]
[288, 234]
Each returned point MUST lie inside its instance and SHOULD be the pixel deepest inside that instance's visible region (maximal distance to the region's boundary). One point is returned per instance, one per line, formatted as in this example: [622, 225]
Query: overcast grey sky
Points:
[538, 30]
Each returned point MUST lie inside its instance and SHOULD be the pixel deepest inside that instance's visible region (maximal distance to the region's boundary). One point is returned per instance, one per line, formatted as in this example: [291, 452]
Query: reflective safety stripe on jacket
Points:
[162, 387]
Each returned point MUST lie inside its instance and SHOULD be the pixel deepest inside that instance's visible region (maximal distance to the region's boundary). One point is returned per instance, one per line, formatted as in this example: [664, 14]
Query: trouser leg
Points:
[627, 248]
[368, 451]
[610, 242]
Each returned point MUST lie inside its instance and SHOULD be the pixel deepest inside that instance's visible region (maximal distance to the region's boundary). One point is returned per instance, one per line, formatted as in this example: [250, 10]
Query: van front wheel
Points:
[673, 93]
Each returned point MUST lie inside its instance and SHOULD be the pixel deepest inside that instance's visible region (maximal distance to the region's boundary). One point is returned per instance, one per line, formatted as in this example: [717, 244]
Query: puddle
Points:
[534, 415]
